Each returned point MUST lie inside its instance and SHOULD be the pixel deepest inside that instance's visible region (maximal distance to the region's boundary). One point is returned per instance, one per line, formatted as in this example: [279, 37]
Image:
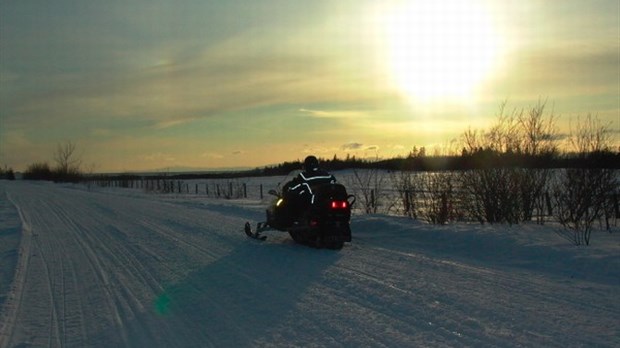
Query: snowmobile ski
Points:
[254, 235]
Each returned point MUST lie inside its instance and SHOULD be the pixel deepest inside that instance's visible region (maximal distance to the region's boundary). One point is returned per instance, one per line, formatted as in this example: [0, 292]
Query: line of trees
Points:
[477, 158]
[67, 166]
[7, 173]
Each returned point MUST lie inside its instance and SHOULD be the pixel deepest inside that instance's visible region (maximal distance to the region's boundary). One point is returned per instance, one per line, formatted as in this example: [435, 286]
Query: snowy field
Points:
[123, 268]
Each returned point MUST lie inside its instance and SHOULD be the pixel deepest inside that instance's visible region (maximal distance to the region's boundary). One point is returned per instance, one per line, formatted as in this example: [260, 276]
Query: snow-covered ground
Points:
[115, 268]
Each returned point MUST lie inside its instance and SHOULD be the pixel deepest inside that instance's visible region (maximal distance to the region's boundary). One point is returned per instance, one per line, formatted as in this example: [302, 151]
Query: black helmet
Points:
[311, 163]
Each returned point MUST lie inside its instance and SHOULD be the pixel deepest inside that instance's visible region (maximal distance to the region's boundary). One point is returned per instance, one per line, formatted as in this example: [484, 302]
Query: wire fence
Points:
[415, 203]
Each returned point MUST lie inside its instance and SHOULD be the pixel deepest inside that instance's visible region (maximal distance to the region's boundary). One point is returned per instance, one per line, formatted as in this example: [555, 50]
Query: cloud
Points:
[333, 114]
[359, 146]
[164, 83]
[566, 70]
[173, 122]
[159, 157]
[352, 146]
[166, 96]
[211, 155]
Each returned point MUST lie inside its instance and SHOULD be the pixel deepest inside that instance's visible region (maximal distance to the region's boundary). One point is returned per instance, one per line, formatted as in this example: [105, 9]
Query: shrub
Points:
[368, 186]
[7, 174]
[38, 171]
[584, 195]
[504, 188]
[407, 186]
[438, 205]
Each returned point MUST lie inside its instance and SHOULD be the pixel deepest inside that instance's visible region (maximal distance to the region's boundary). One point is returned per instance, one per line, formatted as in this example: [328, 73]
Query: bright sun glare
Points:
[440, 49]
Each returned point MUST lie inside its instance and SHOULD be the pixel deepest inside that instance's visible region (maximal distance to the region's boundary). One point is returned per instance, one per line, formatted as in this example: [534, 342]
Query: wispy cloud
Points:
[352, 146]
[359, 147]
[212, 155]
[334, 114]
[159, 157]
[173, 122]
[565, 70]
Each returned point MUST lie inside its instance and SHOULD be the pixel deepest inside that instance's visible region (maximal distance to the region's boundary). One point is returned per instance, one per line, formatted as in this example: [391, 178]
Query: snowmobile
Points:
[322, 222]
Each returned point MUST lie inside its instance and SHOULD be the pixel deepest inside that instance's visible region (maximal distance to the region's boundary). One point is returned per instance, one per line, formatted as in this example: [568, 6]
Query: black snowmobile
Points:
[322, 223]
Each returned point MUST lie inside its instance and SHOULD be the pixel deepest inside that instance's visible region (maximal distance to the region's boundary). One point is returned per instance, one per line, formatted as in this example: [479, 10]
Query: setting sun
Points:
[439, 49]
[152, 86]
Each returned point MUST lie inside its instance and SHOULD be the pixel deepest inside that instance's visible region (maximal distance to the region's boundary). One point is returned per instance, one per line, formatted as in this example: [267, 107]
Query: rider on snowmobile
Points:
[298, 192]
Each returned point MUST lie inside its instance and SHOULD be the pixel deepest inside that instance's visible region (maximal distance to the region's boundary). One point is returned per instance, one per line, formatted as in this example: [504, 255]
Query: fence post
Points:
[406, 202]
[372, 199]
[261, 191]
[617, 208]
[245, 191]
[549, 208]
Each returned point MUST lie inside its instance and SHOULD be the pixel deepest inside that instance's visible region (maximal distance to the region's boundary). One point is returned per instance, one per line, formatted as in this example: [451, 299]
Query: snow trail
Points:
[100, 269]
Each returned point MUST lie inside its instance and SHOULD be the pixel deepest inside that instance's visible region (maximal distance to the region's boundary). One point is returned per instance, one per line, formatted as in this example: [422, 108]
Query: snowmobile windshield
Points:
[290, 176]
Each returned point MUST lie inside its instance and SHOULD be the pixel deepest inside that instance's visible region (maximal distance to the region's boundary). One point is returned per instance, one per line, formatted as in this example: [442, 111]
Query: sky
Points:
[142, 85]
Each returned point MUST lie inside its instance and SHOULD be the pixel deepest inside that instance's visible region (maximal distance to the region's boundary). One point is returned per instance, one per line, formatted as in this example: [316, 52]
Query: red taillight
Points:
[339, 204]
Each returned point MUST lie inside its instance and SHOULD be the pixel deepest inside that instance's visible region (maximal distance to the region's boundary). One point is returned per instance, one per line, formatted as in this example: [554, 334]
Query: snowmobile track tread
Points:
[253, 235]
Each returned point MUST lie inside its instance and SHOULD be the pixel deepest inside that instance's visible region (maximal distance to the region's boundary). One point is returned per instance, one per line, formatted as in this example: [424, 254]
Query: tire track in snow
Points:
[74, 231]
[14, 300]
[54, 335]
[110, 256]
[116, 272]
[56, 249]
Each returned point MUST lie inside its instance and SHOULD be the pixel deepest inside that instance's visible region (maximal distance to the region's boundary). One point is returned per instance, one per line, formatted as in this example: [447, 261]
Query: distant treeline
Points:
[7, 173]
[520, 138]
[480, 159]
[487, 159]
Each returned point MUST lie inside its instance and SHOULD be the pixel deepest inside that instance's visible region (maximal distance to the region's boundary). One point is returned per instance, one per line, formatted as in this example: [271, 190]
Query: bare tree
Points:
[67, 162]
[368, 184]
[537, 140]
[589, 137]
[538, 130]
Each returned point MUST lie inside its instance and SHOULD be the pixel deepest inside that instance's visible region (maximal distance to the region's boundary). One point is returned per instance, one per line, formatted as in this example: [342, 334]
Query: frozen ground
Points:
[116, 268]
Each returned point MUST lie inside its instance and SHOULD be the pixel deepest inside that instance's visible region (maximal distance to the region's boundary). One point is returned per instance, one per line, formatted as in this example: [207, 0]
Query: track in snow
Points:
[104, 270]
